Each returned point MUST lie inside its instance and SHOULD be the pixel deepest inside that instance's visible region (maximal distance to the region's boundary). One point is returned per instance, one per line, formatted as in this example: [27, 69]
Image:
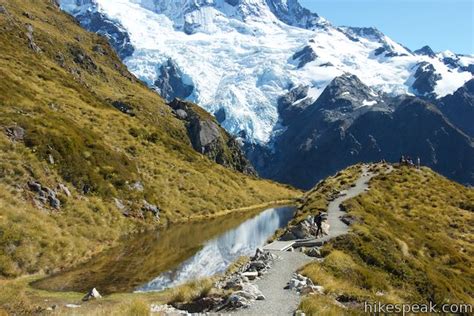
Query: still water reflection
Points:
[172, 256]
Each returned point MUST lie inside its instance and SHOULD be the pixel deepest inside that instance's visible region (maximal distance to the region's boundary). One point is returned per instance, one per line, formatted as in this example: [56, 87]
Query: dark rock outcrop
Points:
[118, 37]
[425, 79]
[82, 59]
[387, 51]
[292, 13]
[304, 56]
[123, 107]
[469, 68]
[459, 107]
[426, 51]
[293, 103]
[31, 41]
[210, 139]
[44, 195]
[373, 34]
[170, 83]
[338, 130]
[15, 133]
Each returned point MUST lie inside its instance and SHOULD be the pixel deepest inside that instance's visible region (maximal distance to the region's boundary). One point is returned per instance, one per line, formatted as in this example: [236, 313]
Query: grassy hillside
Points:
[413, 243]
[72, 118]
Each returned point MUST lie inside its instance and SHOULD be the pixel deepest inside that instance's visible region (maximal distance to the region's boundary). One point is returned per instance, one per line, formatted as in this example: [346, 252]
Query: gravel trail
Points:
[279, 301]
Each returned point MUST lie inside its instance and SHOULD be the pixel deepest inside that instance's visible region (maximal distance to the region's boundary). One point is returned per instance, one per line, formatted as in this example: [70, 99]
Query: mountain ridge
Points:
[247, 80]
[349, 123]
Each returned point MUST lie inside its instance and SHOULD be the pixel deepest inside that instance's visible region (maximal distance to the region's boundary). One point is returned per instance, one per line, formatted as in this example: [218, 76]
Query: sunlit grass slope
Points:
[413, 243]
[62, 86]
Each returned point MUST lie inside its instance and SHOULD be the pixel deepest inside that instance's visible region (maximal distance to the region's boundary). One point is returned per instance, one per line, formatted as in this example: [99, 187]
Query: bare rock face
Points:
[31, 41]
[351, 123]
[97, 22]
[45, 195]
[210, 139]
[170, 82]
[93, 294]
[123, 107]
[15, 133]
[425, 79]
[459, 107]
[304, 56]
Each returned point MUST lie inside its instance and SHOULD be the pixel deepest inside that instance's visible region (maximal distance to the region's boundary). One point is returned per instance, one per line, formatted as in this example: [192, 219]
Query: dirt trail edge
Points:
[279, 301]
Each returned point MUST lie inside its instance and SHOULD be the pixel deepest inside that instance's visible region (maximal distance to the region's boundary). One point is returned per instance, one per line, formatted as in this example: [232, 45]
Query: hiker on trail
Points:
[402, 160]
[418, 163]
[318, 220]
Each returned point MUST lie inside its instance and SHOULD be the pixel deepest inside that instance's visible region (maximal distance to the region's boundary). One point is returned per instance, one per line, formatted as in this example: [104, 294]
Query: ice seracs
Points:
[237, 58]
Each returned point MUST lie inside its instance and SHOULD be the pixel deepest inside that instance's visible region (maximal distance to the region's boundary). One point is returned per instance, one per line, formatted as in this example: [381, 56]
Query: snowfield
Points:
[239, 58]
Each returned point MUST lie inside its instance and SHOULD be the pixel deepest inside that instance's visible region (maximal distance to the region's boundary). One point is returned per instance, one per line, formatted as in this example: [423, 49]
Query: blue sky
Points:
[442, 24]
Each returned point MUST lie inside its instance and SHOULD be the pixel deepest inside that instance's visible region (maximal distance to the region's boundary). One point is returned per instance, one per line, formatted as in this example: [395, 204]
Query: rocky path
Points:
[336, 225]
[280, 301]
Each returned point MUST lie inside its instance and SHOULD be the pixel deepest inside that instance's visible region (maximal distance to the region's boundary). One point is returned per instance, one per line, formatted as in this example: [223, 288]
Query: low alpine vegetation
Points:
[411, 243]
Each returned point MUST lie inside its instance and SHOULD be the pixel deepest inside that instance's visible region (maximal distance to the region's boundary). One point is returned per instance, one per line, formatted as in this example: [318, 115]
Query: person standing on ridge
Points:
[318, 220]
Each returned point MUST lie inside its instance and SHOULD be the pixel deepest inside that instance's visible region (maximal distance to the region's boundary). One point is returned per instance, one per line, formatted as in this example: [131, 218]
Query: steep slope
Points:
[350, 123]
[459, 107]
[239, 57]
[208, 138]
[410, 243]
[88, 152]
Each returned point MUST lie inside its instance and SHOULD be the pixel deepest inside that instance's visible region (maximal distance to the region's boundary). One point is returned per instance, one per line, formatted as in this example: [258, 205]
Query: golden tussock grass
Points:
[412, 244]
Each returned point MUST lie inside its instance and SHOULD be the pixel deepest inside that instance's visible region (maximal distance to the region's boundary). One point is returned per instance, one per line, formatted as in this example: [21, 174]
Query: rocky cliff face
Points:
[459, 107]
[349, 123]
[210, 139]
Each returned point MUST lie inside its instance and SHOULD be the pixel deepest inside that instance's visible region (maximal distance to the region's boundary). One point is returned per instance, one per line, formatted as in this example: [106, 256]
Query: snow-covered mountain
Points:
[237, 58]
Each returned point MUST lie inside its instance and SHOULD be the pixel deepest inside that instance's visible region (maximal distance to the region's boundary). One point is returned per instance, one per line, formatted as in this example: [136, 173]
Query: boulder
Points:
[250, 292]
[123, 107]
[31, 41]
[137, 186]
[54, 201]
[235, 283]
[15, 133]
[250, 275]
[301, 231]
[63, 188]
[287, 236]
[254, 291]
[181, 114]
[348, 219]
[237, 301]
[91, 295]
[313, 252]
[44, 194]
[34, 186]
[148, 207]
[166, 310]
[258, 265]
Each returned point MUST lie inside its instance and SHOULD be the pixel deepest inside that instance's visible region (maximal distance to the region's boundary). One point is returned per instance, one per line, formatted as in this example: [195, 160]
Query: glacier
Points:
[241, 56]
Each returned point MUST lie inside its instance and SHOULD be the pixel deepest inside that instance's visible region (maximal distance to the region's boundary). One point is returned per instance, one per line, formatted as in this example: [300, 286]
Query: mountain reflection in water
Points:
[172, 256]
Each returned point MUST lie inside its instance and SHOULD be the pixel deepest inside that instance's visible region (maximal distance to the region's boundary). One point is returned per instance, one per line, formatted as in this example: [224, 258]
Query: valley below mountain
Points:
[269, 69]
